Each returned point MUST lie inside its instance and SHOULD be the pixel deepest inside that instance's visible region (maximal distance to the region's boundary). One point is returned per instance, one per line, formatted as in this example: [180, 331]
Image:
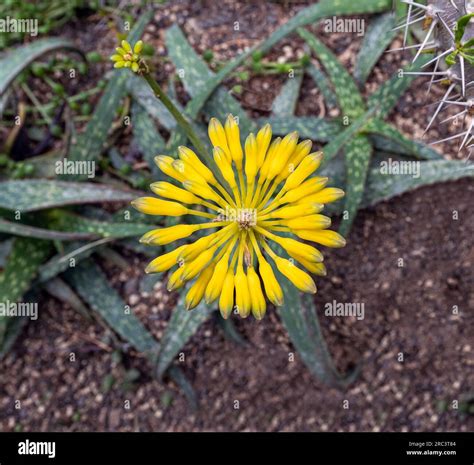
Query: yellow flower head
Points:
[128, 57]
[269, 190]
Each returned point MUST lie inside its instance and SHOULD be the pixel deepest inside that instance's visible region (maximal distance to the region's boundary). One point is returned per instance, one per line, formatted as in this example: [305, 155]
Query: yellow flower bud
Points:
[189, 157]
[303, 281]
[306, 168]
[316, 268]
[296, 211]
[272, 288]
[198, 264]
[294, 247]
[165, 262]
[226, 300]
[309, 222]
[188, 172]
[175, 281]
[324, 237]
[218, 138]
[280, 159]
[196, 291]
[327, 195]
[170, 191]
[242, 293]
[257, 298]
[217, 281]
[165, 164]
[167, 235]
[224, 166]
[153, 206]
[232, 133]
[138, 47]
[251, 157]
[309, 187]
[263, 139]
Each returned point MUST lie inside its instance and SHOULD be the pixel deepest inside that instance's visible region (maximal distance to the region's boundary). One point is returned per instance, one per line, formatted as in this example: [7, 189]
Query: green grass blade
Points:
[37, 194]
[378, 37]
[308, 127]
[323, 84]
[409, 146]
[90, 143]
[285, 102]
[14, 62]
[92, 286]
[348, 95]
[358, 153]
[181, 327]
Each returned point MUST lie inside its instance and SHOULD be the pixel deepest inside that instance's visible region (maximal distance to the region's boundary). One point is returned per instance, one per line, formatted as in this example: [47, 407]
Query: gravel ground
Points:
[408, 309]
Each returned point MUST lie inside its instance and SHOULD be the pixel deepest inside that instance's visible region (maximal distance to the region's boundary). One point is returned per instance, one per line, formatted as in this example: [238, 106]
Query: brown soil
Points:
[408, 309]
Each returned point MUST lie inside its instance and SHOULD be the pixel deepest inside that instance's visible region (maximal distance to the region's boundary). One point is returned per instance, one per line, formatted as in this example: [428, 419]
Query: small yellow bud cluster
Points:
[126, 57]
[231, 264]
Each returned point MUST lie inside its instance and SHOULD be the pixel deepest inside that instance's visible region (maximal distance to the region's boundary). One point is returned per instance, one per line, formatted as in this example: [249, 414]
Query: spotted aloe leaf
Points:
[181, 327]
[24, 259]
[14, 62]
[285, 102]
[348, 95]
[92, 286]
[378, 37]
[89, 145]
[399, 146]
[413, 148]
[37, 194]
[323, 84]
[358, 152]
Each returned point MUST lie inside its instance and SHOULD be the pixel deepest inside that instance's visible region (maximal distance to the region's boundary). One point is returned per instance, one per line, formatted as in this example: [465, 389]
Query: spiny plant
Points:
[450, 35]
[54, 222]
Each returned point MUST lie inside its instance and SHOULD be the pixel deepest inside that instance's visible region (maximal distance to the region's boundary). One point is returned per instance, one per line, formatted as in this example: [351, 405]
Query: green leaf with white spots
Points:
[285, 102]
[92, 286]
[323, 84]
[301, 321]
[383, 144]
[14, 62]
[24, 259]
[148, 139]
[90, 143]
[382, 186]
[37, 194]
[348, 95]
[410, 147]
[181, 327]
[308, 127]
[388, 94]
[358, 153]
[378, 37]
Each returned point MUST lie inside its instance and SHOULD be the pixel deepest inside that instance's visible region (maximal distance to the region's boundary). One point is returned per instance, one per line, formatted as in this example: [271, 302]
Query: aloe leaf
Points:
[147, 138]
[90, 143]
[388, 94]
[308, 127]
[301, 321]
[91, 284]
[378, 37]
[74, 253]
[26, 255]
[197, 78]
[14, 62]
[348, 95]
[229, 330]
[358, 153]
[323, 84]
[57, 288]
[394, 146]
[24, 230]
[285, 102]
[181, 327]
[382, 187]
[146, 99]
[411, 147]
[11, 333]
[178, 376]
[37, 194]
